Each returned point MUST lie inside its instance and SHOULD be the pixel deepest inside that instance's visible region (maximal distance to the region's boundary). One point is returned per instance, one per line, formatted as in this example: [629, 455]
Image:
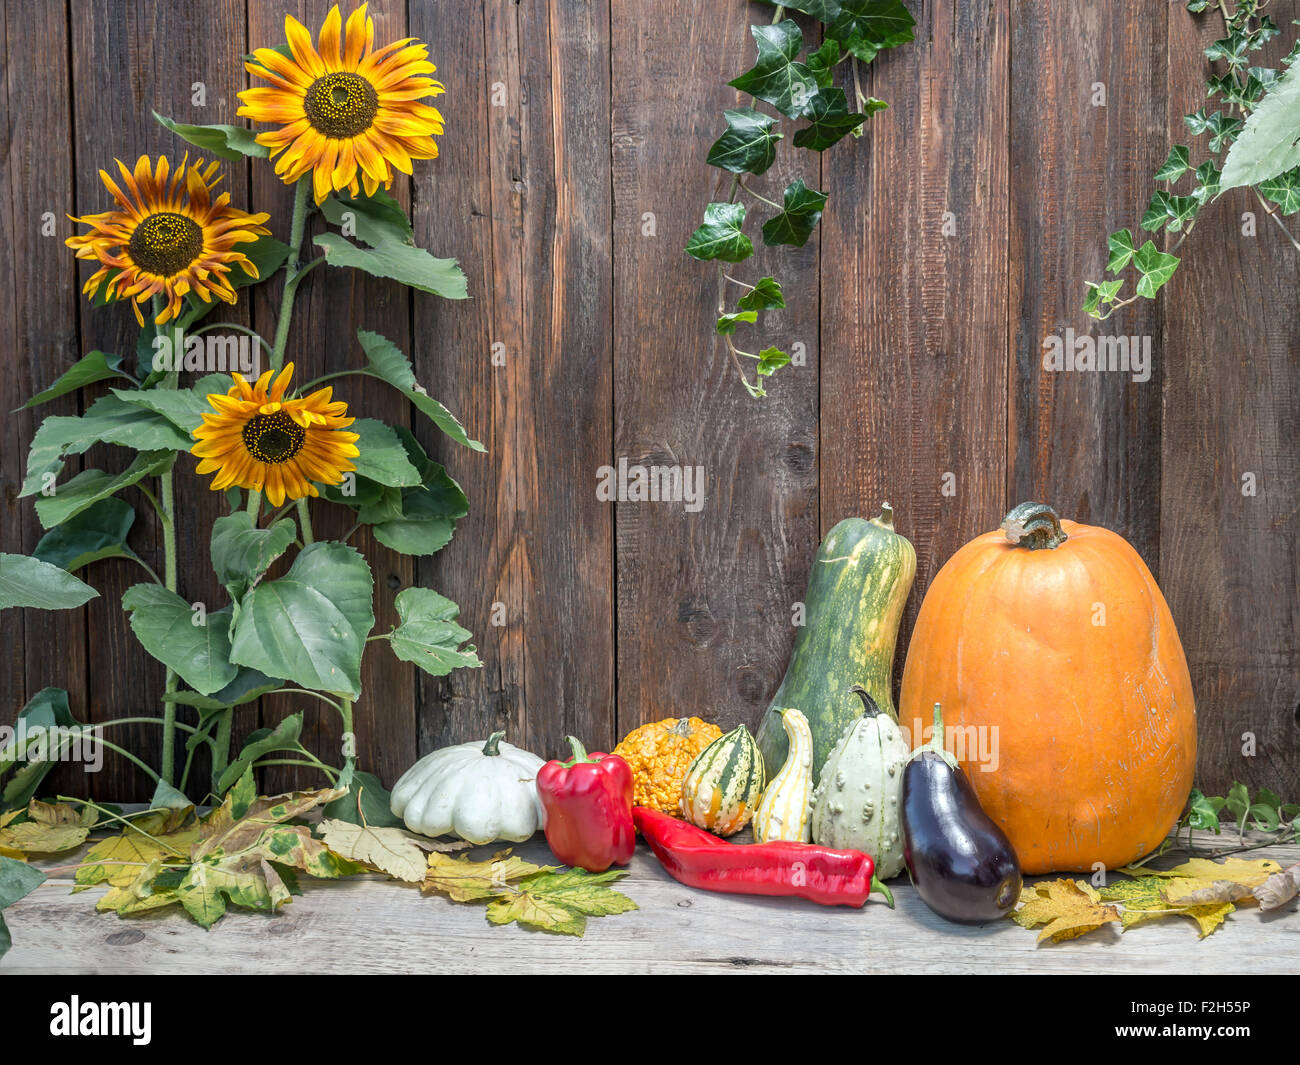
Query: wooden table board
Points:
[374, 925]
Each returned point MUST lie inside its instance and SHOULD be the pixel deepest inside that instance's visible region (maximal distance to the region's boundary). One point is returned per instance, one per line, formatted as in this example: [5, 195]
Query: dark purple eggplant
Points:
[961, 862]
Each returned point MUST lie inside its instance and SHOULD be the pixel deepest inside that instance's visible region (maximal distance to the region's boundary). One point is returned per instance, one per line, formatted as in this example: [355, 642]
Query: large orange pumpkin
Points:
[1058, 665]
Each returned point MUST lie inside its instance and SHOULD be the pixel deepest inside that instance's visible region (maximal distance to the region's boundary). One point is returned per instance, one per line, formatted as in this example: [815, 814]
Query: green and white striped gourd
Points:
[783, 812]
[858, 801]
[723, 784]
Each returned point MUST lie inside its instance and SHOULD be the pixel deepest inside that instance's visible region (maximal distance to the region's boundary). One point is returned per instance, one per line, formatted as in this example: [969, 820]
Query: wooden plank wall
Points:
[959, 233]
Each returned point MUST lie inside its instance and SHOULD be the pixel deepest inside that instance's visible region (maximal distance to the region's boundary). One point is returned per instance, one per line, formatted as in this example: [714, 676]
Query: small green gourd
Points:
[722, 786]
[858, 802]
[783, 812]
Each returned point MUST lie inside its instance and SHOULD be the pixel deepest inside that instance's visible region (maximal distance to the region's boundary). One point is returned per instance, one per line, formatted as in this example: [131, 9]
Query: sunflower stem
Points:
[221, 748]
[292, 276]
[304, 523]
[167, 519]
[255, 504]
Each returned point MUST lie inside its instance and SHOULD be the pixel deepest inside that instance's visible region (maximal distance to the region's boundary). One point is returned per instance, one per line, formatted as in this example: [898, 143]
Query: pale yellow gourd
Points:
[785, 810]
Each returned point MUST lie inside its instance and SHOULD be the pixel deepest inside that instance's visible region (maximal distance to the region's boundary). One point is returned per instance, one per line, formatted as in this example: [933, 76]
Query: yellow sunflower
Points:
[345, 112]
[166, 237]
[261, 441]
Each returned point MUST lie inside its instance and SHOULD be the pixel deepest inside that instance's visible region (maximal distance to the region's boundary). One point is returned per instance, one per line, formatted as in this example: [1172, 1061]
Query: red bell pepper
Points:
[699, 859]
[587, 809]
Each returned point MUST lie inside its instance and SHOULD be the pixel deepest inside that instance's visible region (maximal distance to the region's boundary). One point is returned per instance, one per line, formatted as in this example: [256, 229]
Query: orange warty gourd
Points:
[1054, 638]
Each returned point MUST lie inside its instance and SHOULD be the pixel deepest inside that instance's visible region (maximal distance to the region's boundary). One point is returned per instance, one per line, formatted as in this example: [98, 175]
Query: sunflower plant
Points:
[338, 117]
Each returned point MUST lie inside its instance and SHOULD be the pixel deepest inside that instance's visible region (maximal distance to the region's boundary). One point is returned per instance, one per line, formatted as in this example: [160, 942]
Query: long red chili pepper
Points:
[699, 859]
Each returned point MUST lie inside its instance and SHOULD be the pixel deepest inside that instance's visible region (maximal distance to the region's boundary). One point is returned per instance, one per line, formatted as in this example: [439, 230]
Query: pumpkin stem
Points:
[1034, 526]
[869, 706]
[885, 518]
[682, 728]
[491, 747]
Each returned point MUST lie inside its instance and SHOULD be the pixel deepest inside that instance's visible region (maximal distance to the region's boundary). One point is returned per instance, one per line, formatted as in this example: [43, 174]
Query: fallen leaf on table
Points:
[1200, 891]
[1278, 889]
[395, 851]
[1068, 908]
[138, 894]
[1238, 870]
[1144, 900]
[462, 880]
[559, 902]
[49, 829]
[117, 860]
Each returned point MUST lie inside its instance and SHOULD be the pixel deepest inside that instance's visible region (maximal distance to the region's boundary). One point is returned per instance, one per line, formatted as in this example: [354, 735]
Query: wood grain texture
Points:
[705, 598]
[1228, 559]
[373, 925]
[1086, 442]
[914, 374]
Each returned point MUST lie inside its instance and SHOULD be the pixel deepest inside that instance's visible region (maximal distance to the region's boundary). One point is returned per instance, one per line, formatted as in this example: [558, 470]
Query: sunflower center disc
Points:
[273, 438]
[341, 104]
[166, 243]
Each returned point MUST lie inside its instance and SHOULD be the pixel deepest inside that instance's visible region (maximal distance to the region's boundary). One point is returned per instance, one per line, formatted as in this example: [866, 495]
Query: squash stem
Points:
[492, 747]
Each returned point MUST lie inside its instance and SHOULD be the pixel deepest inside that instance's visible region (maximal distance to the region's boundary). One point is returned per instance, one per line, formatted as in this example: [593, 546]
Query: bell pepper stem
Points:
[579, 751]
[882, 888]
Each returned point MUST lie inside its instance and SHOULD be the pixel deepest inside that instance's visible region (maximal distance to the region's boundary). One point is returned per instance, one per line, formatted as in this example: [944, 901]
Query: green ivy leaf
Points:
[231, 143]
[29, 582]
[1283, 190]
[1182, 209]
[310, 625]
[822, 10]
[241, 552]
[399, 261]
[388, 363]
[1157, 212]
[727, 323]
[748, 145]
[868, 27]
[766, 293]
[90, 486]
[428, 634]
[1121, 250]
[1098, 293]
[1207, 176]
[822, 62]
[97, 532]
[801, 212]
[1175, 166]
[770, 360]
[164, 623]
[720, 236]
[829, 121]
[1156, 268]
[776, 77]
[96, 366]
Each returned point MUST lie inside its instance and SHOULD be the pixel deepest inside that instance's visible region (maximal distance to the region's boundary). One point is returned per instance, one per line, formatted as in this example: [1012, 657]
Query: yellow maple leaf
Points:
[463, 880]
[1068, 908]
[1145, 900]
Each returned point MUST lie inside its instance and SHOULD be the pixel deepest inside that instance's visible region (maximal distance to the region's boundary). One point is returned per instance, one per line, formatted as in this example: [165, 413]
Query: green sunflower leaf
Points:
[388, 363]
[424, 517]
[765, 294]
[383, 458]
[196, 646]
[264, 741]
[402, 262]
[97, 366]
[17, 879]
[829, 120]
[249, 684]
[1269, 144]
[868, 27]
[371, 219]
[428, 634]
[90, 486]
[241, 552]
[29, 582]
[46, 710]
[231, 143]
[798, 218]
[183, 407]
[720, 236]
[97, 532]
[748, 145]
[1156, 268]
[310, 625]
[776, 77]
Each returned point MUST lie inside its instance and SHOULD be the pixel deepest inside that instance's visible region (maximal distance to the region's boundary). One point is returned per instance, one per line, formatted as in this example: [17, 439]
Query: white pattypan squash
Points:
[478, 791]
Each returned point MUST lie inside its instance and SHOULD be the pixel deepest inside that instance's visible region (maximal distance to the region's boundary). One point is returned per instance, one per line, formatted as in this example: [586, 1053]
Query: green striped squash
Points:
[723, 784]
[860, 580]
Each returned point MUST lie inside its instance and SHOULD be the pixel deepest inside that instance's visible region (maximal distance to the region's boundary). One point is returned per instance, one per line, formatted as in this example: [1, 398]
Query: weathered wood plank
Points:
[330, 307]
[38, 322]
[705, 597]
[1228, 558]
[371, 925]
[127, 60]
[914, 331]
[1086, 442]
